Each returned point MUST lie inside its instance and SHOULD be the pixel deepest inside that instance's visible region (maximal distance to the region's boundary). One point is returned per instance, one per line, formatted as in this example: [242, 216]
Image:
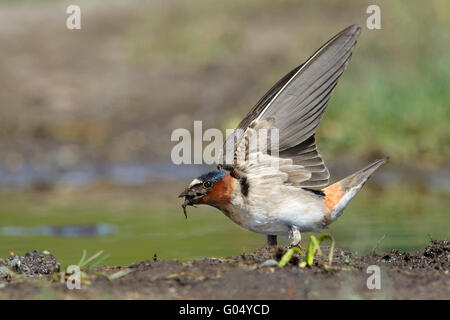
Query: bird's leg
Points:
[294, 236]
[271, 240]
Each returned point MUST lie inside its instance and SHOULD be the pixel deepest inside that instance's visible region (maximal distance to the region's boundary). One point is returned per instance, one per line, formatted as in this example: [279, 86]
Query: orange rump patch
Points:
[333, 194]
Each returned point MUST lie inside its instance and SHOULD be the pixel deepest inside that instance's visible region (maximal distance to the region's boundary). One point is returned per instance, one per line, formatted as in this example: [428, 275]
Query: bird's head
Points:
[213, 188]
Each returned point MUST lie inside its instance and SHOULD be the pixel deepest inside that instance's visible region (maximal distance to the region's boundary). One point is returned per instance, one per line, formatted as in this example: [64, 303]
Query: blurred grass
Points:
[149, 225]
[185, 60]
[392, 100]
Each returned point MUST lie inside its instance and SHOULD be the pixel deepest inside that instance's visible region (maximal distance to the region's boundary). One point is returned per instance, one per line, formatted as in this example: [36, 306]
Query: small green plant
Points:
[90, 263]
[93, 261]
[313, 247]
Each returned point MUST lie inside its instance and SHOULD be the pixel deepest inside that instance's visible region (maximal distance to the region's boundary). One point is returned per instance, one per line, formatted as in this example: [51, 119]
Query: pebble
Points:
[270, 263]
[4, 273]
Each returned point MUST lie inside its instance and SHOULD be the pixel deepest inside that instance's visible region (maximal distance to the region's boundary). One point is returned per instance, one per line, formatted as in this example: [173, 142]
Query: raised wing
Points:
[253, 164]
[295, 105]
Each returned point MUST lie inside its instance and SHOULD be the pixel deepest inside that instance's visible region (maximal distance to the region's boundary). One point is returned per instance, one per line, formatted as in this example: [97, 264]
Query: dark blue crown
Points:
[213, 176]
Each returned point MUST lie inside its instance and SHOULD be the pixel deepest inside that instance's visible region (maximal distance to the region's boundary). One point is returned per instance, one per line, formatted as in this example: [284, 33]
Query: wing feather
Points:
[296, 104]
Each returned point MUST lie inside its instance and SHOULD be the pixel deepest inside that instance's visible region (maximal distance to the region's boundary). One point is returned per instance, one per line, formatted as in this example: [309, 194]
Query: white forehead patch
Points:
[194, 182]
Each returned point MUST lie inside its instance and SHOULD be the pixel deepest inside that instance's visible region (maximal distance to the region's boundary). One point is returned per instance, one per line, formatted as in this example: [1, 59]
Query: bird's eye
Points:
[207, 184]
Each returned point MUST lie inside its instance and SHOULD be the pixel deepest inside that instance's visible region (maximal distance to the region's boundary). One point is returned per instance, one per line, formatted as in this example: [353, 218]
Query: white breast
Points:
[271, 210]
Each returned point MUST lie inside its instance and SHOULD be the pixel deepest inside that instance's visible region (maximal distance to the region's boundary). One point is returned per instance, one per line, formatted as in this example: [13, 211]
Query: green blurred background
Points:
[86, 117]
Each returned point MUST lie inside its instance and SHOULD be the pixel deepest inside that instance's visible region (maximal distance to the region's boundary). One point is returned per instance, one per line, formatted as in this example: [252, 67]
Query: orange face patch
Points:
[333, 194]
[220, 194]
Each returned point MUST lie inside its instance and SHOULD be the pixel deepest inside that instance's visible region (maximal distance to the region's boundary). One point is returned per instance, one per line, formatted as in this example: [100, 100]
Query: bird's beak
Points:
[184, 193]
[191, 196]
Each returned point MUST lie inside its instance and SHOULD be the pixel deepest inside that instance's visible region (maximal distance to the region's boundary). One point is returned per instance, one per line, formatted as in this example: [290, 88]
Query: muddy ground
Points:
[422, 275]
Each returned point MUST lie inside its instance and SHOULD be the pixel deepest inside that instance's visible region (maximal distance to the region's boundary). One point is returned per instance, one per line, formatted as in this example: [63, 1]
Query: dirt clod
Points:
[32, 263]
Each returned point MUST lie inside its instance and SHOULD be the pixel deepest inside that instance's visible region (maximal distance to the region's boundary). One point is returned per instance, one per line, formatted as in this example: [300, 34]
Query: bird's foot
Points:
[298, 245]
[294, 237]
[271, 240]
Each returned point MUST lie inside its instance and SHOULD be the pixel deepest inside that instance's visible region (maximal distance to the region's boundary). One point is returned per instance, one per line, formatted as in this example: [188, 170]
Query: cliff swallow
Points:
[279, 199]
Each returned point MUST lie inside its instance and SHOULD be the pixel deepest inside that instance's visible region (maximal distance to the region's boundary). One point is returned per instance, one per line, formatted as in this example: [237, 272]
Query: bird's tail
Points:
[338, 195]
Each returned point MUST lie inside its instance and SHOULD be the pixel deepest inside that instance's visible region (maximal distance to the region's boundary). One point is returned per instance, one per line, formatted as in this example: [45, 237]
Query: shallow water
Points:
[133, 226]
[85, 175]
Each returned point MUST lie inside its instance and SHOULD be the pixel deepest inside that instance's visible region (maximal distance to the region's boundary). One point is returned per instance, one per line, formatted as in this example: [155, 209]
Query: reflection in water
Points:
[61, 231]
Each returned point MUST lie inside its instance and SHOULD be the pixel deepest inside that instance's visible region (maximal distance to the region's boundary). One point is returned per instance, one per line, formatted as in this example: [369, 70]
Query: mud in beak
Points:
[191, 197]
